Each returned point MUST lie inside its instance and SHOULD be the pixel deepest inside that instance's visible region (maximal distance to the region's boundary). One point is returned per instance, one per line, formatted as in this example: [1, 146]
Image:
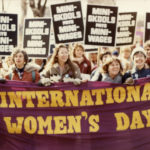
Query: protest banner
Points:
[101, 22]
[37, 37]
[126, 28]
[8, 33]
[147, 27]
[92, 116]
[67, 22]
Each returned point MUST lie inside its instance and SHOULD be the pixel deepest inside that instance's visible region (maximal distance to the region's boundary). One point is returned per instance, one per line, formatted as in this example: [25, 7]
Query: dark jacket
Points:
[136, 73]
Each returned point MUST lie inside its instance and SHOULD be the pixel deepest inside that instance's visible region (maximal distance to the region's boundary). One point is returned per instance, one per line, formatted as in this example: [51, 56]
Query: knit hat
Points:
[136, 50]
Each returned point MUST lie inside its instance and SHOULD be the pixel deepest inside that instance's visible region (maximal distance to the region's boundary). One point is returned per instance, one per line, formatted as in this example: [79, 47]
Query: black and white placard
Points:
[8, 33]
[147, 27]
[37, 37]
[101, 22]
[126, 28]
[67, 22]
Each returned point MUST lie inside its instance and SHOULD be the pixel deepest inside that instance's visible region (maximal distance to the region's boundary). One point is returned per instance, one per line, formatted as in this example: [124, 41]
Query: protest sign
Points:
[8, 33]
[101, 24]
[67, 22]
[126, 28]
[147, 27]
[37, 37]
[92, 116]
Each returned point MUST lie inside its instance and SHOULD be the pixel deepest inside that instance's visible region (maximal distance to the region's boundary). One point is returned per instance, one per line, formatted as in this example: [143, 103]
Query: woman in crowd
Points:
[93, 60]
[125, 57]
[111, 71]
[22, 70]
[102, 57]
[6, 66]
[80, 59]
[60, 68]
[140, 69]
[147, 49]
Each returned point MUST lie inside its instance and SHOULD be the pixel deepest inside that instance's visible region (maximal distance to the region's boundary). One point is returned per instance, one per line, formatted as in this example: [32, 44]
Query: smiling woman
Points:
[140, 68]
[112, 71]
[22, 70]
[60, 68]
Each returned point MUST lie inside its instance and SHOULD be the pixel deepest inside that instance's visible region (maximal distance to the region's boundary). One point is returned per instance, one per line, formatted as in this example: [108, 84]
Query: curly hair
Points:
[19, 50]
[110, 61]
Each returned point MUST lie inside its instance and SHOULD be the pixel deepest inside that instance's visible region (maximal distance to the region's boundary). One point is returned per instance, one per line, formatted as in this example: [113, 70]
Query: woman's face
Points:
[139, 60]
[114, 68]
[79, 52]
[93, 56]
[126, 54]
[10, 61]
[19, 60]
[105, 57]
[63, 55]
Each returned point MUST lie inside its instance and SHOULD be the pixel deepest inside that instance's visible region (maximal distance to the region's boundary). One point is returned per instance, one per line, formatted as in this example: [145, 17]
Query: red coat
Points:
[85, 66]
[27, 74]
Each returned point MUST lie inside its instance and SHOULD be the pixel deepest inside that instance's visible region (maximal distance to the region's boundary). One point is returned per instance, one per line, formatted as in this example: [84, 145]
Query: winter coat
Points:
[55, 70]
[27, 74]
[85, 66]
[136, 73]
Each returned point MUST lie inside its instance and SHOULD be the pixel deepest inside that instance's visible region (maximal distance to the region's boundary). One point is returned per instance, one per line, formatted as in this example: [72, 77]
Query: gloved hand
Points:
[74, 81]
[44, 81]
[55, 78]
[2, 80]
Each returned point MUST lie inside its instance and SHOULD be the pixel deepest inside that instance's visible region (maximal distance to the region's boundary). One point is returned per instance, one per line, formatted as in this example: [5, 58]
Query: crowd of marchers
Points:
[71, 64]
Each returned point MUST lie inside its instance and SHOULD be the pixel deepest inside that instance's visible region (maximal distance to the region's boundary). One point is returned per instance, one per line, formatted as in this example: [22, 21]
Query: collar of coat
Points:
[56, 66]
[29, 67]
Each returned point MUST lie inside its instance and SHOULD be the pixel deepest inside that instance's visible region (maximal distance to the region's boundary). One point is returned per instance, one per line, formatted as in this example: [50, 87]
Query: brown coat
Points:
[27, 74]
[55, 70]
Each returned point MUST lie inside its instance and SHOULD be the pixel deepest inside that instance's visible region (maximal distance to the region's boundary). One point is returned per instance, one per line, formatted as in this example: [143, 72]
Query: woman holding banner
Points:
[140, 68]
[60, 68]
[112, 71]
[22, 70]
